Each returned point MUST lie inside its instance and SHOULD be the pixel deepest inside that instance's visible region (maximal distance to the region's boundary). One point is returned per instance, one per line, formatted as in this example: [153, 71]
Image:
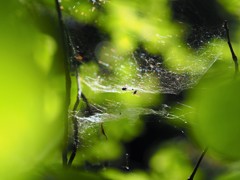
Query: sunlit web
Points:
[144, 65]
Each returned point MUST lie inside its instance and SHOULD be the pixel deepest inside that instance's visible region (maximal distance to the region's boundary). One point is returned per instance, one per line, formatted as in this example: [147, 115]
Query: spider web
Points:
[145, 66]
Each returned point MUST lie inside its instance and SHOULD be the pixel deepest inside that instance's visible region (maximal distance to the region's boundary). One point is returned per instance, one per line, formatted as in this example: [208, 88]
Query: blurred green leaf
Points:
[235, 175]
[60, 173]
[215, 119]
[28, 130]
[118, 175]
[45, 50]
[171, 162]
[231, 6]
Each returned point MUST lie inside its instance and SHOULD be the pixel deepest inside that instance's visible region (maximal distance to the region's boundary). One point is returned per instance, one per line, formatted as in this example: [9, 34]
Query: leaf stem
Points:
[234, 57]
[75, 121]
[197, 165]
[67, 79]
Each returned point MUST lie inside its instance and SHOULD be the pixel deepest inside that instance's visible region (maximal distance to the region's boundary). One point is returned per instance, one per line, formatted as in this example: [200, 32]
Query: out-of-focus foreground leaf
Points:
[31, 98]
[215, 119]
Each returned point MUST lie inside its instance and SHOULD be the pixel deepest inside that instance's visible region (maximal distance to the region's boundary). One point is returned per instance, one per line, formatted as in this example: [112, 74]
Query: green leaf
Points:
[216, 117]
[28, 130]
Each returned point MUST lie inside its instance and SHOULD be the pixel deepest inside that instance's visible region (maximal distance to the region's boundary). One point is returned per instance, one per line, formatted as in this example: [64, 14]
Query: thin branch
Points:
[67, 79]
[75, 121]
[197, 165]
[234, 57]
[71, 52]
[103, 131]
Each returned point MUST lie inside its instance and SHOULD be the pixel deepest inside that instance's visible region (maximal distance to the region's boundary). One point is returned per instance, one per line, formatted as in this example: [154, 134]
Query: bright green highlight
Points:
[171, 162]
[231, 6]
[45, 49]
[215, 119]
[118, 175]
[28, 130]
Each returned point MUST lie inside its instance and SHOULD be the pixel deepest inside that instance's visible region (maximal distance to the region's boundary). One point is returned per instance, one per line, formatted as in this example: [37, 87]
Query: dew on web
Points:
[170, 82]
[139, 72]
[144, 66]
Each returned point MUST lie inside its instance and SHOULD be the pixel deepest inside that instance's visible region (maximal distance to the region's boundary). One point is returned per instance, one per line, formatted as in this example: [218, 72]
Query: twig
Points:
[71, 52]
[197, 165]
[103, 131]
[67, 79]
[75, 121]
[234, 57]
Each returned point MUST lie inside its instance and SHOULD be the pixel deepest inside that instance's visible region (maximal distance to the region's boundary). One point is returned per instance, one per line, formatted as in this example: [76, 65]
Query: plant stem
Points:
[197, 165]
[75, 121]
[234, 57]
[67, 79]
